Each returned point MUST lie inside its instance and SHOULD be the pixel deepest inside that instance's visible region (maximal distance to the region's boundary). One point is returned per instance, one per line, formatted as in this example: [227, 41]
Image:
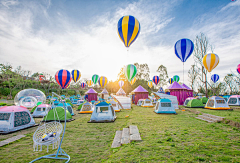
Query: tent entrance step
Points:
[117, 139]
[134, 133]
[125, 136]
[10, 140]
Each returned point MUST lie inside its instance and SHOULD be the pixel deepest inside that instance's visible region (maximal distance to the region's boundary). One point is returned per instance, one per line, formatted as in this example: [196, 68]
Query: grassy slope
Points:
[166, 138]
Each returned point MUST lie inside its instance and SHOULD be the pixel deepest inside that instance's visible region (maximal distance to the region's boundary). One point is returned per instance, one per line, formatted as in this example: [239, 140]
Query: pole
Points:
[183, 72]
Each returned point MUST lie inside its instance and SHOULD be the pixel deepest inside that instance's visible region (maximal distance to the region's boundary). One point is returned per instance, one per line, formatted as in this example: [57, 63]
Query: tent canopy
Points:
[195, 103]
[91, 91]
[60, 114]
[164, 106]
[139, 89]
[175, 85]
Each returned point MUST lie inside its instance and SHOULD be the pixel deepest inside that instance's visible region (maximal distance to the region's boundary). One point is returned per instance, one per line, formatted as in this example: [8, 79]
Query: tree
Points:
[231, 83]
[192, 75]
[163, 75]
[201, 47]
[142, 71]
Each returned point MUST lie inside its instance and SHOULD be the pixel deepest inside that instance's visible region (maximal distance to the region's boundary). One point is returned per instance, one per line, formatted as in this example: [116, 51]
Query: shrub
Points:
[3, 104]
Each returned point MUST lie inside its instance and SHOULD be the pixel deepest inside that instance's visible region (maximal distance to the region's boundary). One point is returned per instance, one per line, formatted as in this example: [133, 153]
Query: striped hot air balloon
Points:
[63, 78]
[95, 78]
[130, 72]
[102, 81]
[128, 29]
[176, 78]
[238, 68]
[156, 80]
[184, 49]
[210, 61]
[215, 78]
[83, 85]
[89, 83]
[170, 81]
[76, 75]
[150, 83]
[133, 80]
[121, 83]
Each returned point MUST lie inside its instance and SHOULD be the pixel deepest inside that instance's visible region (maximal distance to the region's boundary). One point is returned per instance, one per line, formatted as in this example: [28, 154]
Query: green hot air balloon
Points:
[176, 78]
[95, 78]
[130, 72]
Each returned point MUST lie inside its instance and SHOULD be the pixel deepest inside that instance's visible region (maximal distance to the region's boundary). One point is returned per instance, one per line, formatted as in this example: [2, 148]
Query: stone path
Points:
[10, 140]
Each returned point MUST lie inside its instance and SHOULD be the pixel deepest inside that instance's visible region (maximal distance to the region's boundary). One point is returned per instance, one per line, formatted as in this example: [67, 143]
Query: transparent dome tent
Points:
[29, 98]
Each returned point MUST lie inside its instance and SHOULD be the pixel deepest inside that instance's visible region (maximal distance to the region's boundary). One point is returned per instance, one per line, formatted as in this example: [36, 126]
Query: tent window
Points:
[147, 102]
[38, 109]
[186, 102]
[112, 110]
[232, 101]
[221, 101]
[86, 108]
[157, 106]
[69, 109]
[21, 118]
[4, 116]
[43, 109]
[102, 109]
[166, 104]
[210, 103]
[114, 105]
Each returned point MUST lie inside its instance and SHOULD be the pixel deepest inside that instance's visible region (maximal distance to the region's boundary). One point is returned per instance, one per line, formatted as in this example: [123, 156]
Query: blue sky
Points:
[45, 35]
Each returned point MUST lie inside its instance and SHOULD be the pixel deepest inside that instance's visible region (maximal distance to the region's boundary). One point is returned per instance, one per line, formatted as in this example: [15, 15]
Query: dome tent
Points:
[13, 118]
[234, 100]
[187, 100]
[86, 108]
[51, 116]
[140, 102]
[204, 100]
[195, 103]
[164, 106]
[41, 110]
[115, 105]
[147, 103]
[69, 107]
[217, 103]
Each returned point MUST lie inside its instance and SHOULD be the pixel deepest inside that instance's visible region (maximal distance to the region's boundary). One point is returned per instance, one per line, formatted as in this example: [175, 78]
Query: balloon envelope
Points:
[133, 80]
[83, 85]
[156, 80]
[102, 81]
[215, 78]
[95, 78]
[130, 72]
[89, 83]
[210, 61]
[63, 78]
[238, 68]
[184, 49]
[170, 81]
[128, 29]
[76, 75]
[121, 83]
[176, 78]
[150, 83]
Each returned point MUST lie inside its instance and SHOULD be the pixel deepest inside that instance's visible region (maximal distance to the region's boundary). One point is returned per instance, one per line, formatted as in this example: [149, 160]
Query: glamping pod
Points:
[69, 107]
[204, 100]
[104, 94]
[165, 96]
[121, 92]
[164, 106]
[234, 100]
[58, 114]
[140, 102]
[41, 110]
[79, 102]
[195, 103]
[147, 103]
[103, 112]
[86, 108]
[139, 93]
[115, 105]
[91, 95]
[123, 101]
[179, 91]
[13, 118]
[187, 100]
[217, 103]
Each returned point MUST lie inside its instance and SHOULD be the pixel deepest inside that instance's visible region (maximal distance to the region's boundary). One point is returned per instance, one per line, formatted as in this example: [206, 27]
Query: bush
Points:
[14, 92]
[71, 92]
[3, 104]
[70, 104]
[68, 101]
[5, 91]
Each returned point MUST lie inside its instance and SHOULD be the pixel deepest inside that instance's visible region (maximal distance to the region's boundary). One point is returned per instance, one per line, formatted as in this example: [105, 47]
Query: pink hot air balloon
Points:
[238, 68]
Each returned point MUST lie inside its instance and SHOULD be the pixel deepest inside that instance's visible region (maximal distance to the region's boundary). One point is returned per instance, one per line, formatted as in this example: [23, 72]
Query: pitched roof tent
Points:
[176, 85]
[91, 91]
[140, 89]
[104, 91]
[185, 86]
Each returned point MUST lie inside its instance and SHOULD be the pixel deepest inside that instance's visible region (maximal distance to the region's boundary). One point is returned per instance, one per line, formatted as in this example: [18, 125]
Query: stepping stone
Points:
[125, 136]
[204, 119]
[134, 133]
[117, 139]
[10, 140]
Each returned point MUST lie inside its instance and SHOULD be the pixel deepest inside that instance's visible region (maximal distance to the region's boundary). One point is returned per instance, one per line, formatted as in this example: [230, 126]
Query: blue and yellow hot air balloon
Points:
[76, 75]
[102, 81]
[128, 29]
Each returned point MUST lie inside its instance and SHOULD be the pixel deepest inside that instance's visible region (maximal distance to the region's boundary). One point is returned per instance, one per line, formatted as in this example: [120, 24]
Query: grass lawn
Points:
[166, 138]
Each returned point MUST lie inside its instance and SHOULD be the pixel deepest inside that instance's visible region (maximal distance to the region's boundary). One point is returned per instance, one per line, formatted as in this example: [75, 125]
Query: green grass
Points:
[166, 138]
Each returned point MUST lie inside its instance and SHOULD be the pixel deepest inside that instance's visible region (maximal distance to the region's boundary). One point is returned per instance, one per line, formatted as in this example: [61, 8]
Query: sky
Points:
[49, 35]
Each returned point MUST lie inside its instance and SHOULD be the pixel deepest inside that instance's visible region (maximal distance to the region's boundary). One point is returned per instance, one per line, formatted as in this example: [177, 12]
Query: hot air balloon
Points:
[133, 80]
[83, 85]
[238, 68]
[156, 80]
[95, 78]
[128, 29]
[170, 81]
[184, 49]
[63, 78]
[176, 78]
[150, 83]
[215, 78]
[121, 83]
[76, 75]
[102, 81]
[210, 61]
[89, 83]
[130, 72]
